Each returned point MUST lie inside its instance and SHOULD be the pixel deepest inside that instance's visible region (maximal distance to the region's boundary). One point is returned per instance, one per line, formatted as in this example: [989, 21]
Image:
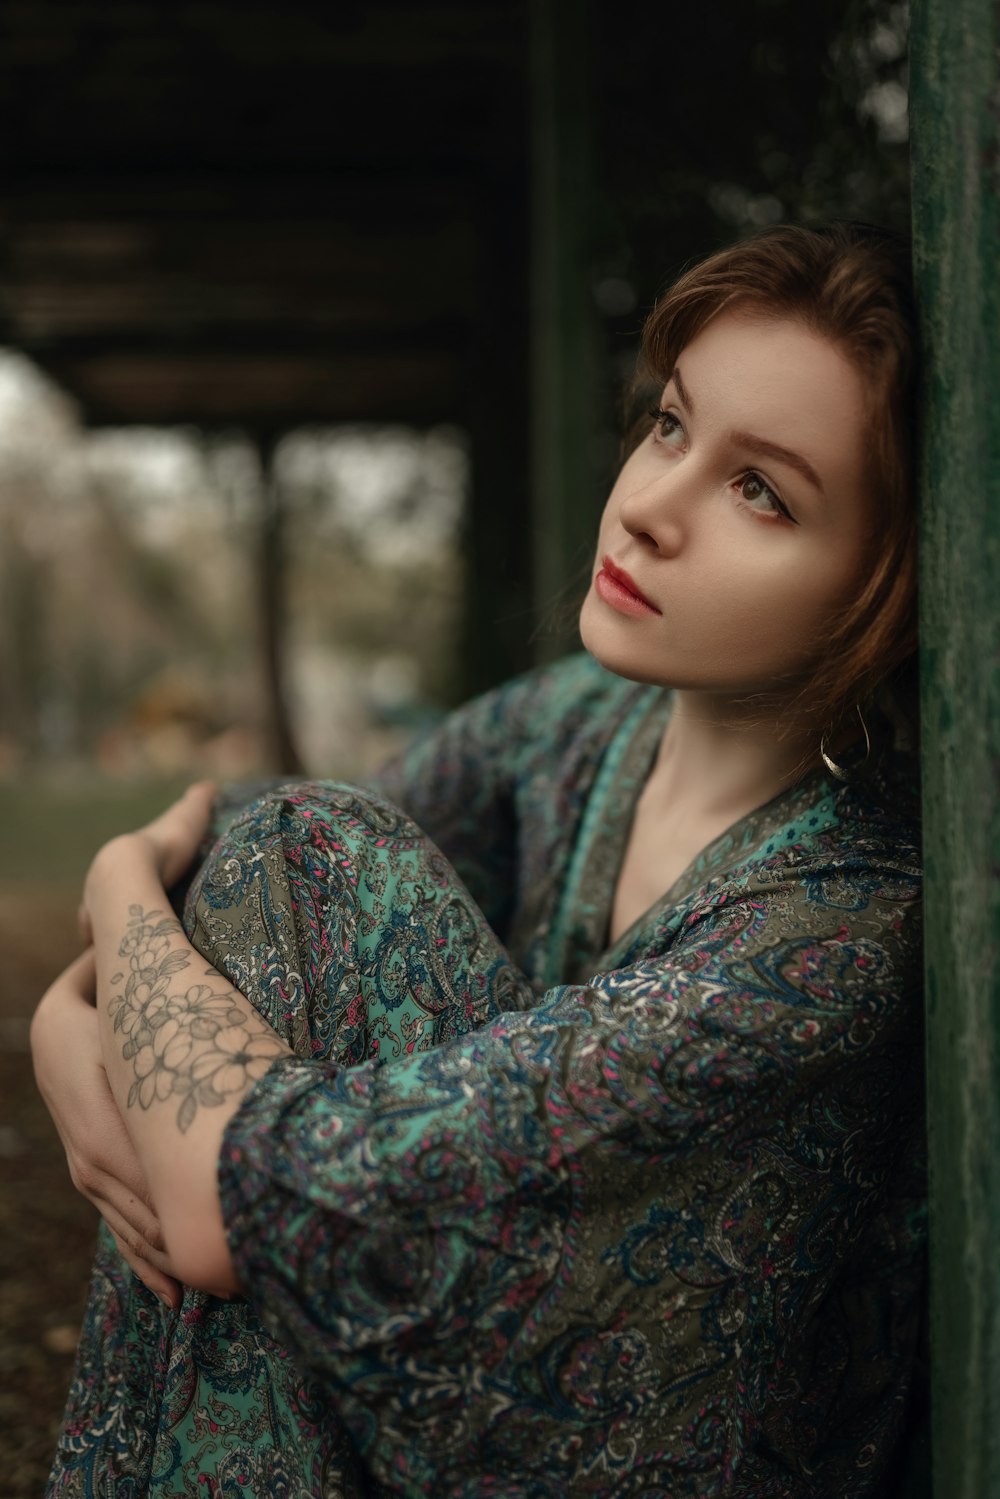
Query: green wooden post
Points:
[563, 334]
[955, 101]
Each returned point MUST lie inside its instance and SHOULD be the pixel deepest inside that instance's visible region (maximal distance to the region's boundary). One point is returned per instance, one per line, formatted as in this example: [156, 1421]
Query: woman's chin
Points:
[617, 658]
[608, 647]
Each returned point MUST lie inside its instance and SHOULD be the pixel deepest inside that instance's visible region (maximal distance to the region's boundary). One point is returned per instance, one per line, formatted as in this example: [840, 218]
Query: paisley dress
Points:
[526, 1214]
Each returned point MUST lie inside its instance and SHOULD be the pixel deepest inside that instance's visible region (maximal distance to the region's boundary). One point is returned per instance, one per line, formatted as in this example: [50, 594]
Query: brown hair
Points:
[851, 283]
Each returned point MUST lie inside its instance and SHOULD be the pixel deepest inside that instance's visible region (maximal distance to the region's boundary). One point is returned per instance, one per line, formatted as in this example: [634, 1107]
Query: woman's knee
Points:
[287, 895]
[346, 926]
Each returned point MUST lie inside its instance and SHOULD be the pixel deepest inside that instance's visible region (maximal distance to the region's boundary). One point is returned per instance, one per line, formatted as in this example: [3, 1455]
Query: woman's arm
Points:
[181, 1046]
[103, 1165]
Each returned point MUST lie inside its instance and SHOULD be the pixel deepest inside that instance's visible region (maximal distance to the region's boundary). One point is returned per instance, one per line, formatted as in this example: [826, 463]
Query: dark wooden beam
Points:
[274, 391]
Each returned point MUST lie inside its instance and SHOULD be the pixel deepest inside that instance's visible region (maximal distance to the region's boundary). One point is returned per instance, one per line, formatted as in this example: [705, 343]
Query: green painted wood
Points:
[564, 401]
[955, 108]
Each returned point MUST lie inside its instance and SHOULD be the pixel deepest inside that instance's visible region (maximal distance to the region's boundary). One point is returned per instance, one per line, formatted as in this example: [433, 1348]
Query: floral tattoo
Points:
[193, 1044]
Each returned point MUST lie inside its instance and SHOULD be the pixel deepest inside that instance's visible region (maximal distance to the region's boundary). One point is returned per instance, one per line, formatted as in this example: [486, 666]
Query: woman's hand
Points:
[103, 1165]
[180, 1056]
[167, 846]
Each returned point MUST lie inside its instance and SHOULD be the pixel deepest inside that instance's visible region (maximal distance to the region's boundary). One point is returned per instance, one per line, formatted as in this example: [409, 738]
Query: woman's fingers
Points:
[138, 1245]
[83, 925]
[178, 832]
[165, 1287]
[111, 1178]
[102, 1161]
[126, 1212]
[79, 980]
[167, 847]
[136, 1231]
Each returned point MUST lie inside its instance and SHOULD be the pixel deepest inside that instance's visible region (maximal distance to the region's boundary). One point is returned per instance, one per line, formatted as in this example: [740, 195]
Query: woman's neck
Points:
[715, 766]
[718, 758]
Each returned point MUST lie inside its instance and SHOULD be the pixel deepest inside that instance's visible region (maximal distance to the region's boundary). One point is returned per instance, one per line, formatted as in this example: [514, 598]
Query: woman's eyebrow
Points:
[681, 388]
[759, 445]
[766, 449]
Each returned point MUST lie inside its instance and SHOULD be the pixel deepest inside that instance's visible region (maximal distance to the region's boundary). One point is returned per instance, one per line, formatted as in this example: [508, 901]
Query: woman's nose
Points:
[656, 512]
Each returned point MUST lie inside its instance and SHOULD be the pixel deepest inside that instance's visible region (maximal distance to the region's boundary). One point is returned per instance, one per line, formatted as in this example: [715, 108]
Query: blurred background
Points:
[315, 327]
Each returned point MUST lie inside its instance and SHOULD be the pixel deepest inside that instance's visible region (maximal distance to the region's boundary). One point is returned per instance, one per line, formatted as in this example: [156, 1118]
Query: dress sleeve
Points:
[425, 1233]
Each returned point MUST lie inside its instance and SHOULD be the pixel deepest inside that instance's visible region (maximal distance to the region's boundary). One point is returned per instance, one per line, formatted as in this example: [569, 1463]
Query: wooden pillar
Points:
[494, 641]
[564, 401]
[955, 107]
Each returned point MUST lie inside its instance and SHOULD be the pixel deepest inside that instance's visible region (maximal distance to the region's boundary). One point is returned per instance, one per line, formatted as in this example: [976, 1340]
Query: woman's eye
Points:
[667, 426]
[760, 497]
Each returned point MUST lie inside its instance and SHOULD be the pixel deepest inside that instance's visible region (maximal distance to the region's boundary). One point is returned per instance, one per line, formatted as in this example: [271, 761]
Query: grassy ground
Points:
[47, 835]
[49, 830]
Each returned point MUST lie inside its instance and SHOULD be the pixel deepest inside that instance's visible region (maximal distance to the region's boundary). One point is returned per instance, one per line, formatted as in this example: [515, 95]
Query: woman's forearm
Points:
[181, 1047]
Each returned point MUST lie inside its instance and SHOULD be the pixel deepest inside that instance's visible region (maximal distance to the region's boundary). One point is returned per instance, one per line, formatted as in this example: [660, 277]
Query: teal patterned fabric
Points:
[525, 1215]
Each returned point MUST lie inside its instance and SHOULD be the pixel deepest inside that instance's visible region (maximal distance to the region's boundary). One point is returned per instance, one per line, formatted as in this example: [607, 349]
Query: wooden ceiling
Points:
[242, 213]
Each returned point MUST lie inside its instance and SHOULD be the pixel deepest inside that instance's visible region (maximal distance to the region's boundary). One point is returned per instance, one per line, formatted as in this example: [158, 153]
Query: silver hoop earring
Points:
[843, 772]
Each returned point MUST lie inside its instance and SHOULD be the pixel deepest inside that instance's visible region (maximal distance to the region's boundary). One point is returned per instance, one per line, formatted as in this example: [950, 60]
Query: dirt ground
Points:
[48, 1230]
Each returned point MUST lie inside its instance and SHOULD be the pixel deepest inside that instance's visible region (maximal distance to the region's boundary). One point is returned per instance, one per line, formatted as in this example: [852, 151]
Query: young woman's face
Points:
[738, 529]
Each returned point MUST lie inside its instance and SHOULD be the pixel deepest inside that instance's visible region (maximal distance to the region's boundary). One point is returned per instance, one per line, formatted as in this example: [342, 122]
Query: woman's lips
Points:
[617, 589]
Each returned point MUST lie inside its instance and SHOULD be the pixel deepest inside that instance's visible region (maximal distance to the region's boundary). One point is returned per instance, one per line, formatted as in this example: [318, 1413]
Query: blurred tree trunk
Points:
[29, 664]
[272, 585]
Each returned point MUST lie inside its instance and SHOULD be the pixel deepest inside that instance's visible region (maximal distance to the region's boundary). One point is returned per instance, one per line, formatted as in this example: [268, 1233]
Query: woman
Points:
[632, 1203]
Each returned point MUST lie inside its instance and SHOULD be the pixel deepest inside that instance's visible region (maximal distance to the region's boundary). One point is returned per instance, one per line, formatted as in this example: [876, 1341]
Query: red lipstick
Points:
[616, 588]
